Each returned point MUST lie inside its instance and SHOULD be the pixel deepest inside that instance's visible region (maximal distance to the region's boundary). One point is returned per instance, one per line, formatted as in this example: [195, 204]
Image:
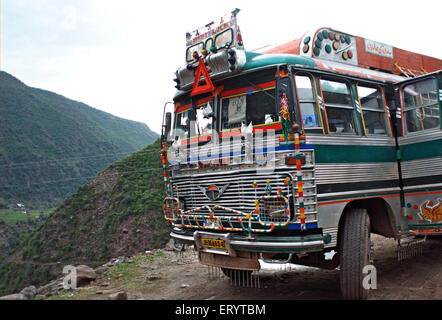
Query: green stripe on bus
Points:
[421, 150]
[350, 154]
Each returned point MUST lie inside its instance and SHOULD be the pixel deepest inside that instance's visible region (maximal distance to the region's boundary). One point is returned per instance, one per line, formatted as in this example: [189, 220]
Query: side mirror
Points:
[167, 124]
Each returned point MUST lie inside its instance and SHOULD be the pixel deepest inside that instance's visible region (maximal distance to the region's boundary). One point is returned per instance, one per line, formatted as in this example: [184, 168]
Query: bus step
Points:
[410, 249]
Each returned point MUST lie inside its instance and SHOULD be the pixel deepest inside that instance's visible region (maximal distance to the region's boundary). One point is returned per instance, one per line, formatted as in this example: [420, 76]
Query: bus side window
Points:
[373, 109]
[339, 107]
[421, 105]
[307, 101]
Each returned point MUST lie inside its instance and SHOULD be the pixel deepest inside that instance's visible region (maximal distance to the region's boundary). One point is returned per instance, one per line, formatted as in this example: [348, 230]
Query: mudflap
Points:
[248, 261]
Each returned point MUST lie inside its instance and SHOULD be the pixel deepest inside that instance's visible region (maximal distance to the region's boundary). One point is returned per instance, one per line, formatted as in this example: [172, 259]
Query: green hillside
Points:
[116, 213]
[50, 145]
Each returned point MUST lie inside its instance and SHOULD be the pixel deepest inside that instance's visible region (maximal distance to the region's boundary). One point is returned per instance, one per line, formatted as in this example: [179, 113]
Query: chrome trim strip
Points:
[335, 139]
[355, 172]
[420, 136]
[277, 244]
[422, 167]
[423, 186]
[324, 196]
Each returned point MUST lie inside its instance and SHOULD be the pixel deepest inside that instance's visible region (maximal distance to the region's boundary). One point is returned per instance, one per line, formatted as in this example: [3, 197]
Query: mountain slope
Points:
[116, 213]
[50, 145]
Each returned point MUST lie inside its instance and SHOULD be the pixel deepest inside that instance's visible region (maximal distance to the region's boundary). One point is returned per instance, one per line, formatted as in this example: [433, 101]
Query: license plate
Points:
[214, 243]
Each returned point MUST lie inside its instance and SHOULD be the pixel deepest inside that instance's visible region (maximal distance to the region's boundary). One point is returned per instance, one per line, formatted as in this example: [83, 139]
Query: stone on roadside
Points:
[101, 270]
[84, 275]
[118, 296]
[15, 296]
[29, 292]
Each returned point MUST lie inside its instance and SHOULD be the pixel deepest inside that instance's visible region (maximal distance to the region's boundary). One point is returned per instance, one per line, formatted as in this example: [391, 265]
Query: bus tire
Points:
[354, 253]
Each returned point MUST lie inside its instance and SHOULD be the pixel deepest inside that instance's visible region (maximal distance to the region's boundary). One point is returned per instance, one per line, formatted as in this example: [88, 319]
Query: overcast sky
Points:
[120, 56]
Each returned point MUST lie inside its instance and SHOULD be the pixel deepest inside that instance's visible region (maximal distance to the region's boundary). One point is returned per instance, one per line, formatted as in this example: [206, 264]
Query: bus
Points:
[292, 152]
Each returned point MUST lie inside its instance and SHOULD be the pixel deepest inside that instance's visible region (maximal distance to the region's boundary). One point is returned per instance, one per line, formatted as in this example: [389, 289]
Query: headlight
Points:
[274, 209]
[171, 208]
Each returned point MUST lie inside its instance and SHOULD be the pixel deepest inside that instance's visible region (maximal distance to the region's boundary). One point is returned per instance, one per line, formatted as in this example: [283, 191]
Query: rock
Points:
[153, 277]
[104, 284]
[15, 296]
[130, 261]
[118, 296]
[184, 285]
[40, 296]
[101, 270]
[47, 288]
[125, 230]
[169, 245]
[29, 292]
[119, 260]
[85, 275]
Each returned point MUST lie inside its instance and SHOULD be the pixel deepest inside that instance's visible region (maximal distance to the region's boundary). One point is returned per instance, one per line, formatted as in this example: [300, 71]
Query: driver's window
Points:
[182, 125]
[307, 101]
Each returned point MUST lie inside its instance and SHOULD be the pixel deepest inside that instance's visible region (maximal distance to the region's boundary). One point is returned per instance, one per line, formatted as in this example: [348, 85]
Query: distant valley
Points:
[50, 145]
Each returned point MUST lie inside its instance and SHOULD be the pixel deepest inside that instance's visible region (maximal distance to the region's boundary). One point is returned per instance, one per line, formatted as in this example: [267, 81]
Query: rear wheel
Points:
[354, 253]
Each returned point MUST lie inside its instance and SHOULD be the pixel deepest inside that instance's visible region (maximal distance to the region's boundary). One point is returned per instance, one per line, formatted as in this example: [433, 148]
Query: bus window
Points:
[261, 108]
[258, 108]
[307, 101]
[338, 106]
[196, 48]
[421, 105]
[224, 39]
[373, 109]
[204, 119]
[182, 125]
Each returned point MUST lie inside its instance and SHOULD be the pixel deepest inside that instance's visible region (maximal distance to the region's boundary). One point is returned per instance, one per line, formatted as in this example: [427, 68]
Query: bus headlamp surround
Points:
[274, 209]
[171, 208]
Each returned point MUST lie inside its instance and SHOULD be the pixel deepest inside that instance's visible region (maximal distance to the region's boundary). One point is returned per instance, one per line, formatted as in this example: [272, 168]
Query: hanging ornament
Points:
[268, 188]
[285, 115]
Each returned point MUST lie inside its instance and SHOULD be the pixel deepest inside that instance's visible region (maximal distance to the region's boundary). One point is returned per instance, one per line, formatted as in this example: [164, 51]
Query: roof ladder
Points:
[410, 73]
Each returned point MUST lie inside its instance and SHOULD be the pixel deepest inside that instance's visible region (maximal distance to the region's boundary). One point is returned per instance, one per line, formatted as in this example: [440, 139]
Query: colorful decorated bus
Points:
[301, 149]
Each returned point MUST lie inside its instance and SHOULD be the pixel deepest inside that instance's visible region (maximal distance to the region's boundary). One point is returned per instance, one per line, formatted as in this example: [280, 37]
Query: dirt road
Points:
[173, 276]
[416, 278]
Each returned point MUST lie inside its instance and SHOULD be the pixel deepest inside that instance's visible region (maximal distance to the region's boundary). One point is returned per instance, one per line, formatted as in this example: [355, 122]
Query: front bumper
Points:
[261, 243]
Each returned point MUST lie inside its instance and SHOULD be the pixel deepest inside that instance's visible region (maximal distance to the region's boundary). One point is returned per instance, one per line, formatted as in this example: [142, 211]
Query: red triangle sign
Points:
[204, 88]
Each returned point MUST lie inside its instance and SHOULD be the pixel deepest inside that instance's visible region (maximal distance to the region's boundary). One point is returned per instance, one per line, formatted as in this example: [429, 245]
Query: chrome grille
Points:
[239, 195]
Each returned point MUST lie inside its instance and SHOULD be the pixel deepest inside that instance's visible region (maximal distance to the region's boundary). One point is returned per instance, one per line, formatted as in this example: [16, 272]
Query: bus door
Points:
[420, 152]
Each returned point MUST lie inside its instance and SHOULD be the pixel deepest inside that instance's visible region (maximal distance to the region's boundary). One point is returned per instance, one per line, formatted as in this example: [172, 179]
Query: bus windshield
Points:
[257, 108]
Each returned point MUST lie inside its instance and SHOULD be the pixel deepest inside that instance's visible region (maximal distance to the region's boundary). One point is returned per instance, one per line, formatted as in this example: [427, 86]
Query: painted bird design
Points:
[431, 213]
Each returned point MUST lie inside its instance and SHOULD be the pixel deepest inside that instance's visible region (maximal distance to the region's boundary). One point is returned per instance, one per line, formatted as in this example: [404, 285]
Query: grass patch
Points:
[11, 217]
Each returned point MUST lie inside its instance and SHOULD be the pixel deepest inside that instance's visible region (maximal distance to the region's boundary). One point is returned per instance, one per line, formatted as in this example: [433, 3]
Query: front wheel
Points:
[354, 253]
